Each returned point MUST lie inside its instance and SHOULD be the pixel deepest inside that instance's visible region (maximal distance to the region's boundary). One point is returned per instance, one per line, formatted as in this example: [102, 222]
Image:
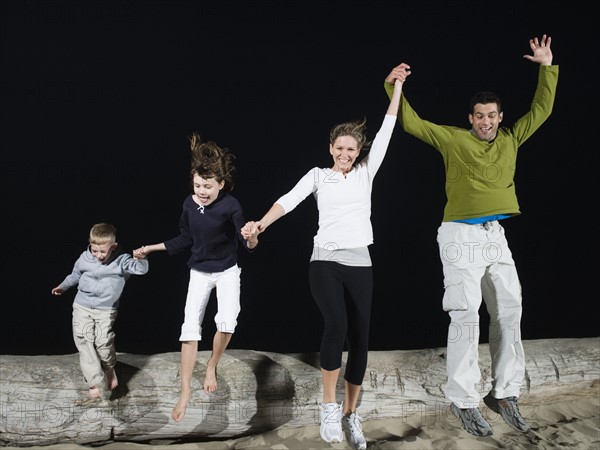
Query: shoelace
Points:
[513, 407]
[355, 423]
[476, 414]
[333, 415]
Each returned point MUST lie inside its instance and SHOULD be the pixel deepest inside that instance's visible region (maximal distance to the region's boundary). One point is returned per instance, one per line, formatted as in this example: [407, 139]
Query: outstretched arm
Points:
[144, 250]
[397, 77]
[541, 51]
[251, 230]
[276, 212]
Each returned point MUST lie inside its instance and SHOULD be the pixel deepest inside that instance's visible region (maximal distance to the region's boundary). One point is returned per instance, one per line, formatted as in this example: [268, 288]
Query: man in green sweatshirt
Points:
[477, 262]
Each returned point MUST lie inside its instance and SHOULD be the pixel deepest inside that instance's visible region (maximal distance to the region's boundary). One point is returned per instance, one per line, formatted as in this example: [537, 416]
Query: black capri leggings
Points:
[346, 318]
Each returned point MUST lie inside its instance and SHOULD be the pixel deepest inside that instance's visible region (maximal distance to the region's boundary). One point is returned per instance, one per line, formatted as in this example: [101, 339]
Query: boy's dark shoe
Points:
[472, 420]
[508, 408]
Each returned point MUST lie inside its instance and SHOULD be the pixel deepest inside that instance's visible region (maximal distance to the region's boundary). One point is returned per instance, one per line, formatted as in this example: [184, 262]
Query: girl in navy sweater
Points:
[209, 227]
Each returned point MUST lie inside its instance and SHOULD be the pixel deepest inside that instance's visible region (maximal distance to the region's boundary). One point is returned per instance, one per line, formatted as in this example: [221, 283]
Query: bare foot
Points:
[179, 409]
[111, 377]
[94, 392]
[210, 381]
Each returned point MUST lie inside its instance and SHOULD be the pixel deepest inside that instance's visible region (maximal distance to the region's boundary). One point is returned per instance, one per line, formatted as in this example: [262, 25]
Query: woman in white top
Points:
[340, 260]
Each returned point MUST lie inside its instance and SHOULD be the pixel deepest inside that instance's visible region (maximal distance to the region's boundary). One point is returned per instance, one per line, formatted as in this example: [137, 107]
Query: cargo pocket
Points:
[454, 297]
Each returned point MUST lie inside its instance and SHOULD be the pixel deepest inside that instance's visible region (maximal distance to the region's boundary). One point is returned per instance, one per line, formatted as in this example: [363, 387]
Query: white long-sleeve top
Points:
[343, 202]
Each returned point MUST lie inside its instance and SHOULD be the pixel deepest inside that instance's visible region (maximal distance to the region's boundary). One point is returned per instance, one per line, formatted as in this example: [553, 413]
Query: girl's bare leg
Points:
[189, 350]
[220, 343]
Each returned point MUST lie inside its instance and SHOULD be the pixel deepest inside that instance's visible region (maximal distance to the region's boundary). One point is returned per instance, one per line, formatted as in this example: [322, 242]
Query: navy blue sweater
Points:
[212, 233]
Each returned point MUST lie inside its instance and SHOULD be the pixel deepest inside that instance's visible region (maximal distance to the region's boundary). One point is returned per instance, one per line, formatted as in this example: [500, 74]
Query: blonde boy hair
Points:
[103, 233]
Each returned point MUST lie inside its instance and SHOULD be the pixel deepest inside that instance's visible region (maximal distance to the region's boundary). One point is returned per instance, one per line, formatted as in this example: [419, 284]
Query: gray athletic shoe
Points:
[353, 429]
[508, 408]
[472, 420]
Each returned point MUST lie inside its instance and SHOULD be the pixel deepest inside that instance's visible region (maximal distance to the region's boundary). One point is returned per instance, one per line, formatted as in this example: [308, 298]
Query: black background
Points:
[99, 98]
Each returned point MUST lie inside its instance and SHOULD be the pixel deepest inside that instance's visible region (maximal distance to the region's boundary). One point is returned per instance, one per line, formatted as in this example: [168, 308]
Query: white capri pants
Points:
[478, 264]
[200, 287]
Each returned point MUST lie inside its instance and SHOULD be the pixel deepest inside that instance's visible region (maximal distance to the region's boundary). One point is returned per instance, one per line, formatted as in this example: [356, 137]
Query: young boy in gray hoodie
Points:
[100, 274]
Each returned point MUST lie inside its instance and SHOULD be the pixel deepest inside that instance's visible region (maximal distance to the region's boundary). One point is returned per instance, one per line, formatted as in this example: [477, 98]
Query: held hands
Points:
[541, 51]
[140, 253]
[398, 74]
[250, 232]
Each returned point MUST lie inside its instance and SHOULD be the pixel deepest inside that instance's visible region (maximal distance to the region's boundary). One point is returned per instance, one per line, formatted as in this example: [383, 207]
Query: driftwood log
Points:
[43, 400]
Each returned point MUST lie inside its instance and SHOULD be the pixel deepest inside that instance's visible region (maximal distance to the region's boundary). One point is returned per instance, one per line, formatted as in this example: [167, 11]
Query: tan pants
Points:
[478, 265]
[95, 340]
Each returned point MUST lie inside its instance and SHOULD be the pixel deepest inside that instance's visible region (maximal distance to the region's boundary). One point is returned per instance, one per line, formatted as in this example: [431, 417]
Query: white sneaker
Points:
[353, 430]
[331, 422]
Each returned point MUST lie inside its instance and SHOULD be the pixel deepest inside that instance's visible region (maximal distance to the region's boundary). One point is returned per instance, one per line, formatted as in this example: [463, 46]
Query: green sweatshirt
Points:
[480, 174]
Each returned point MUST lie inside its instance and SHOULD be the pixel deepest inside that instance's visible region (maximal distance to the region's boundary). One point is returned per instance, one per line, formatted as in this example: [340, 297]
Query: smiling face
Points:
[344, 151]
[485, 120]
[102, 252]
[206, 190]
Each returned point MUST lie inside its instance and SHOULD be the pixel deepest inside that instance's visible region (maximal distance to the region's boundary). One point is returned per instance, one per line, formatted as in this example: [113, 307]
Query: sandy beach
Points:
[572, 423]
